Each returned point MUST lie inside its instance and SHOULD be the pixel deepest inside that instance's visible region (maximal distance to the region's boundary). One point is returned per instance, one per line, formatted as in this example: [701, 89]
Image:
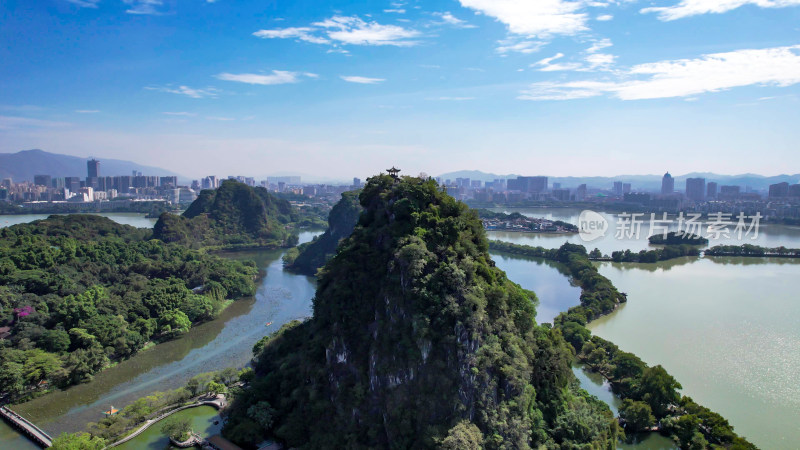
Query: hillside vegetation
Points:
[234, 215]
[417, 341]
[78, 292]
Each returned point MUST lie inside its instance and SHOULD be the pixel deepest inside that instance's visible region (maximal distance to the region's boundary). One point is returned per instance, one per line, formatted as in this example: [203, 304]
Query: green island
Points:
[650, 393]
[80, 292]
[677, 238]
[753, 250]
[234, 217]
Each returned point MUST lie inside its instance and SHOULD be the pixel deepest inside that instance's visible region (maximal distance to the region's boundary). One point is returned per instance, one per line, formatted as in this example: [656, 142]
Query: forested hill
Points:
[417, 341]
[233, 215]
[80, 291]
[309, 257]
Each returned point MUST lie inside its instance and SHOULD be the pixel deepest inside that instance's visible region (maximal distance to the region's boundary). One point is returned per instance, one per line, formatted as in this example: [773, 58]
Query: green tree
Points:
[12, 379]
[464, 436]
[174, 322]
[177, 429]
[263, 414]
[78, 441]
[55, 341]
[659, 389]
[215, 388]
[637, 415]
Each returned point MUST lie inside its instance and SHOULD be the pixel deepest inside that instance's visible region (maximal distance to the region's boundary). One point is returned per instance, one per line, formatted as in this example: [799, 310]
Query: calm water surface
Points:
[202, 419]
[769, 235]
[726, 328]
[549, 281]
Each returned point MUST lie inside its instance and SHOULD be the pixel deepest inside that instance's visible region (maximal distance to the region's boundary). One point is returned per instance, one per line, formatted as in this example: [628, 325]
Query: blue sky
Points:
[343, 88]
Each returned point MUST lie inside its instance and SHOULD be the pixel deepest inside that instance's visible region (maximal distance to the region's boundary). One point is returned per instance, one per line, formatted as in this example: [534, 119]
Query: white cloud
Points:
[87, 111]
[186, 90]
[85, 3]
[450, 19]
[14, 122]
[301, 33]
[540, 18]
[355, 31]
[600, 61]
[362, 80]
[687, 8]
[523, 46]
[143, 6]
[345, 30]
[179, 113]
[277, 77]
[546, 64]
[396, 11]
[604, 17]
[779, 66]
[599, 45]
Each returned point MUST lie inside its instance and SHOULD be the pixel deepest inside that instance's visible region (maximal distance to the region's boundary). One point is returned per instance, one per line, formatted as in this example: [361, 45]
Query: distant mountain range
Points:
[640, 182]
[22, 166]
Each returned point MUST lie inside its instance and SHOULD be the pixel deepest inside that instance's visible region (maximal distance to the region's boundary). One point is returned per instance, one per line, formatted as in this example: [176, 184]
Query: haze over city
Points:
[339, 88]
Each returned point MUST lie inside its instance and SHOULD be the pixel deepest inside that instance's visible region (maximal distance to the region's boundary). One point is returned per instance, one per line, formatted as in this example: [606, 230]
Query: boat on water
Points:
[269, 323]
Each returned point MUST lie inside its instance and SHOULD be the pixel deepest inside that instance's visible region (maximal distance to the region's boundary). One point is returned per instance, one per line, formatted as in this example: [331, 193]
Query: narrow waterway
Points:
[224, 342]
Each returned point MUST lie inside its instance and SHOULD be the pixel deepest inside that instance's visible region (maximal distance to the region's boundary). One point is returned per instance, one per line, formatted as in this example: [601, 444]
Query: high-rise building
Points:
[169, 181]
[580, 193]
[93, 167]
[626, 188]
[561, 195]
[531, 185]
[779, 190]
[72, 183]
[711, 190]
[667, 184]
[356, 182]
[696, 189]
[43, 180]
[617, 188]
[729, 192]
[794, 190]
[556, 186]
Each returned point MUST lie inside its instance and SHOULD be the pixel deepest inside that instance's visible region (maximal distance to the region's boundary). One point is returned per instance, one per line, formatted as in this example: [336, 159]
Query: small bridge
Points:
[26, 427]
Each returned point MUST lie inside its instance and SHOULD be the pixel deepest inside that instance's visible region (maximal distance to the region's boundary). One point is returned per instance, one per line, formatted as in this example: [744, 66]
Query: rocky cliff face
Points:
[416, 336]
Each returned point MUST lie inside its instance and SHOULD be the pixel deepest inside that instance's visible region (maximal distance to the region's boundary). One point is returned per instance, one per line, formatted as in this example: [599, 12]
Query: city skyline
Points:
[342, 88]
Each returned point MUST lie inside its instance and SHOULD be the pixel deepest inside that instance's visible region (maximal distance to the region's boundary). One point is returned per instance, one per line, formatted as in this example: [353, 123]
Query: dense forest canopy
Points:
[79, 291]
[230, 216]
[309, 257]
[417, 341]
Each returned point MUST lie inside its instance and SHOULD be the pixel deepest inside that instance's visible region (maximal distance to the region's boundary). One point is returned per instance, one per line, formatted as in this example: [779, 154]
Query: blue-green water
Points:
[201, 418]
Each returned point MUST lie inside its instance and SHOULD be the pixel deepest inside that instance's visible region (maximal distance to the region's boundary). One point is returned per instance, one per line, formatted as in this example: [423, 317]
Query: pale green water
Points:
[134, 219]
[769, 235]
[202, 419]
[726, 328]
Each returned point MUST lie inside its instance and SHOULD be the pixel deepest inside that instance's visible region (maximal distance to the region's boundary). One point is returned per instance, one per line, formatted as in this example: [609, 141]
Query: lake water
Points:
[770, 235]
[726, 328]
[549, 281]
[201, 418]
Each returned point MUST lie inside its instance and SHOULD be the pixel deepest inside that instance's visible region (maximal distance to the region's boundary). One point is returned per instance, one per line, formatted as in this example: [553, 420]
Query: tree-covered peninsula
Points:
[81, 291]
[417, 341]
[309, 257]
[232, 216]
